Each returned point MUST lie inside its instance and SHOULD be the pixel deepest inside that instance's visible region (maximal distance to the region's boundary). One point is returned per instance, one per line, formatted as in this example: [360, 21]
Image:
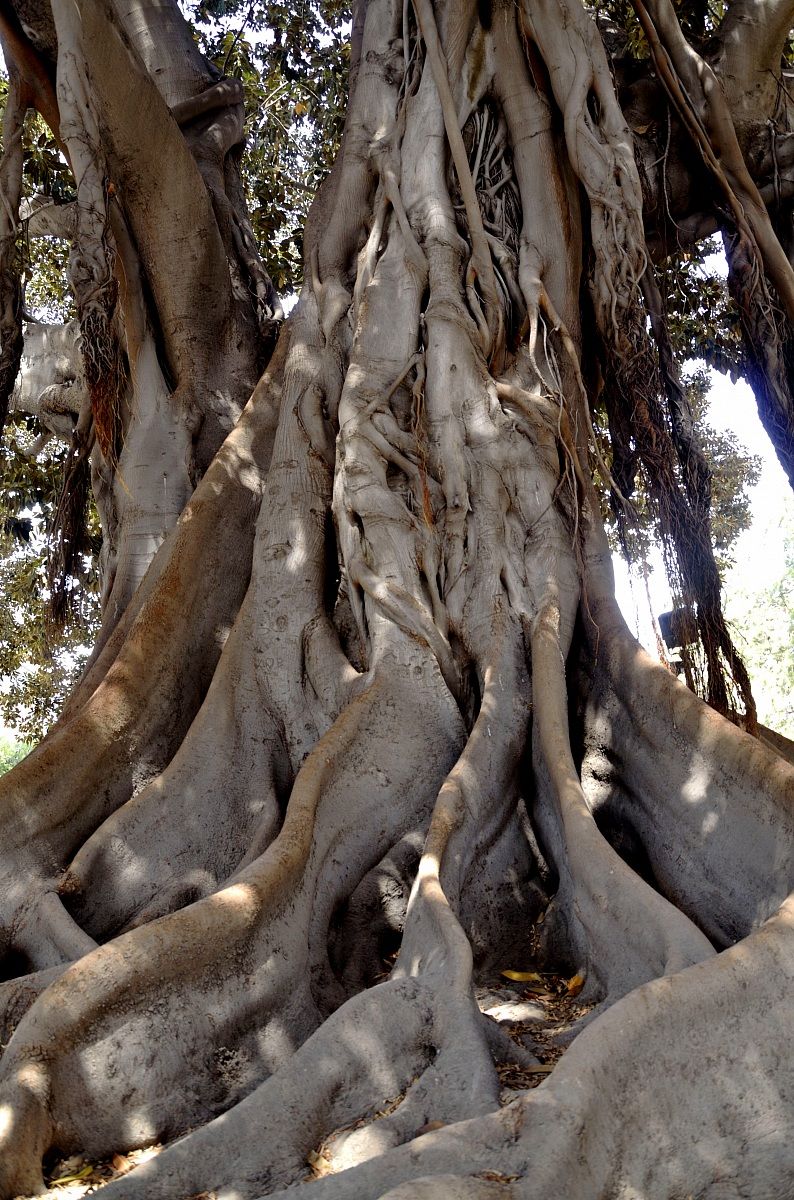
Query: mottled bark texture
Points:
[374, 694]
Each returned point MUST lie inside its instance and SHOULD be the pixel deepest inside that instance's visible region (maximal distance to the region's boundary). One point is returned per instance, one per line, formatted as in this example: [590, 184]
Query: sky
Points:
[759, 550]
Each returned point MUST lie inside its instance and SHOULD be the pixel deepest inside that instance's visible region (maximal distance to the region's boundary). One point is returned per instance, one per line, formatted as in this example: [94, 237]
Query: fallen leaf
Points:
[575, 985]
[522, 976]
[318, 1163]
[430, 1126]
[75, 1177]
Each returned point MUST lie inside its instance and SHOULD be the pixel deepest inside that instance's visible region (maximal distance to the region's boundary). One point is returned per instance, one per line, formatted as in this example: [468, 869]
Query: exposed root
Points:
[575, 1134]
[122, 979]
[358, 774]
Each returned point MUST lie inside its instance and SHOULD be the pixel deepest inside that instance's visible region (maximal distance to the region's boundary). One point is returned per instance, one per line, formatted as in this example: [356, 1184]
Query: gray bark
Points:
[374, 697]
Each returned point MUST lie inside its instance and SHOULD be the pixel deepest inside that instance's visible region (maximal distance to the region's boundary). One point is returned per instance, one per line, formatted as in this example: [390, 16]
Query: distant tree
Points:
[763, 620]
[40, 659]
[12, 751]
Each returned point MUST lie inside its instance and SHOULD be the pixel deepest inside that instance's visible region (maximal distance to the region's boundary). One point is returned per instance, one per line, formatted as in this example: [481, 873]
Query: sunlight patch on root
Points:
[442, 1044]
[17, 995]
[371, 1047]
[453, 1187]
[172, 842]
[82, 771]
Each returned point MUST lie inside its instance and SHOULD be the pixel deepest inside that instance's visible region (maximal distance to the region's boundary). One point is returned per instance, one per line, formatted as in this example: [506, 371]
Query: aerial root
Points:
[46, 934]
[418, 1038]
[481, 263]
[371, 922]
[452, 1187]
[113, 718]
[719, 779]
[701, 103]
[189, 844]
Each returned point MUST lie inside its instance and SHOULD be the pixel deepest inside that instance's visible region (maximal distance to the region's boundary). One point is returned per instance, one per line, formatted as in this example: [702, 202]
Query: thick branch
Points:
[155, 174]
[751, 42]
[701, 104]
[31, 68]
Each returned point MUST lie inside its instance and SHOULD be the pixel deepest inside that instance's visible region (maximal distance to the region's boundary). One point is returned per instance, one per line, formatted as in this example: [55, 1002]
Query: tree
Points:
[11, 751]
[766, 614]
[40, 660]
[373, 696]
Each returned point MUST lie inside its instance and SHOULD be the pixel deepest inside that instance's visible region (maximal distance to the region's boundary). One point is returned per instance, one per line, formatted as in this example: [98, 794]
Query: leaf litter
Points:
[73, 1177]
[533, 1015]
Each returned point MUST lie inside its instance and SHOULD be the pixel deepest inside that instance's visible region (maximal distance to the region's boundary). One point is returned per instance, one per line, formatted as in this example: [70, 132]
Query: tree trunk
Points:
[160, 228]
[374, 696]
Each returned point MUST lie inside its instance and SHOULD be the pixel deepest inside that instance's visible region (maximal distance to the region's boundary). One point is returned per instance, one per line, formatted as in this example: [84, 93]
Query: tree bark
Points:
[372, 729]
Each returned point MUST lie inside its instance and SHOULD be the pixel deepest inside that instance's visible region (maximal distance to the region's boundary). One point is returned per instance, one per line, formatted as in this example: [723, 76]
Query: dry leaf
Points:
[430, 1126]
[318, 1163]
[522, 976]
[73, 1178]
[121, 1164]
[575, 985]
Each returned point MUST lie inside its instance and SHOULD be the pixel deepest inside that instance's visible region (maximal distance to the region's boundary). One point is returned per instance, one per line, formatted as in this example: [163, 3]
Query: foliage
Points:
[47, 296]
[45, 171]
[702, 318]
[292, 60]
[39, 664]
[734, 474]
[11, 751]
[763, 620]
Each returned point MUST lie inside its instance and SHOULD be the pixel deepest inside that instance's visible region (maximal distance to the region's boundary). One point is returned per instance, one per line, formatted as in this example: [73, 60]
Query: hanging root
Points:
[68, 535]
[755, 255]
[11, 336]
[635, 376]
[768, 347]
[105, 372]
[92, 257]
